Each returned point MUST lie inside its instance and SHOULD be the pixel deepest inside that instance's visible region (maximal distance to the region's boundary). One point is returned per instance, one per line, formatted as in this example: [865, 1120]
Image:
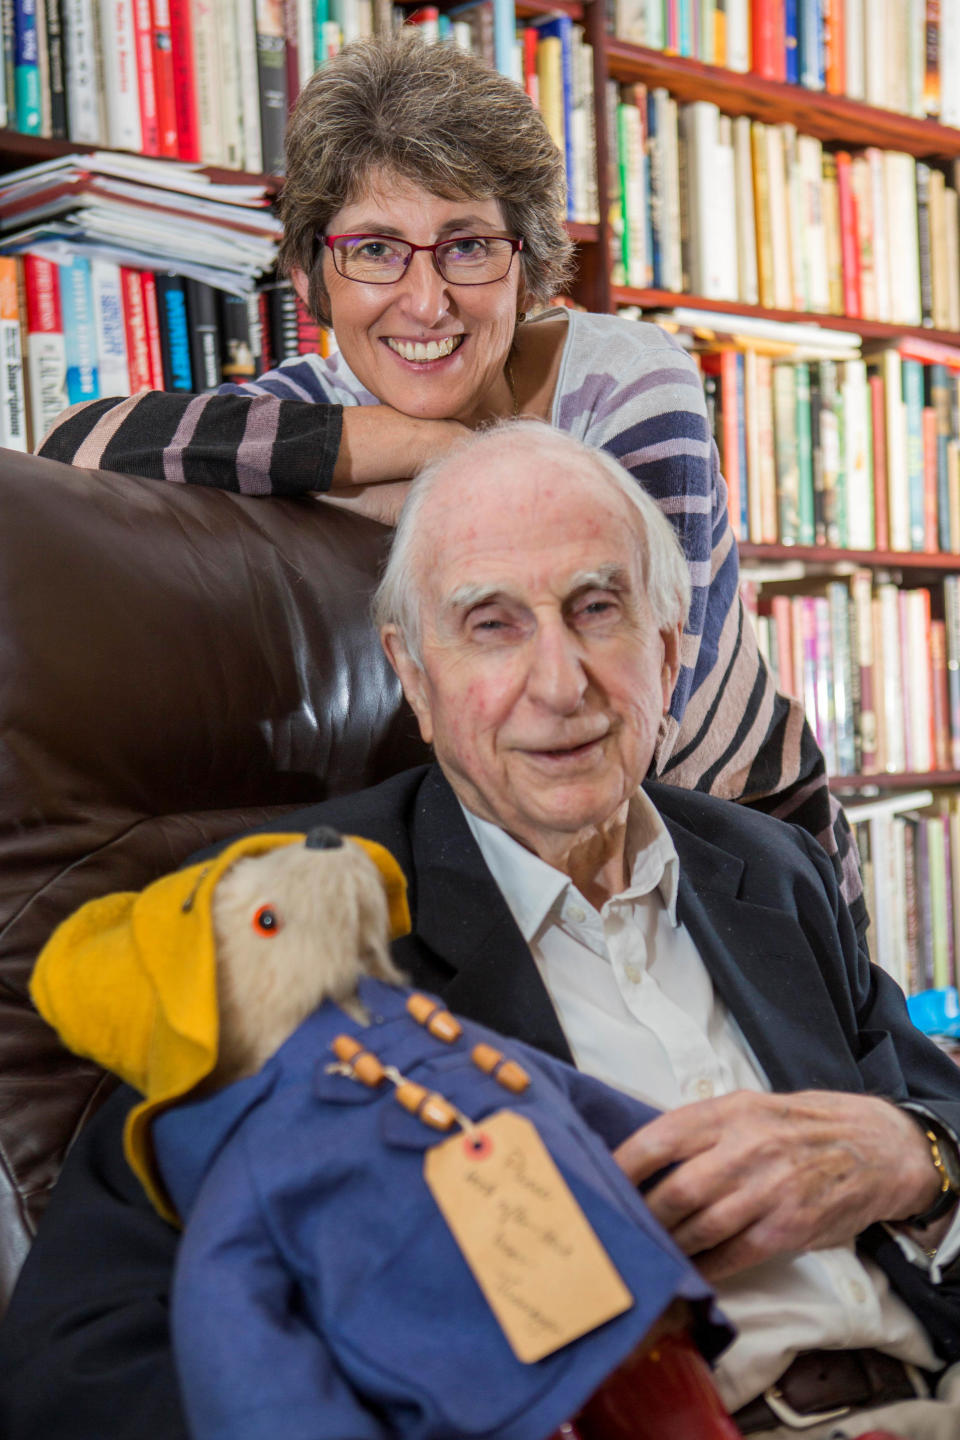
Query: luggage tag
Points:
[531, 1249]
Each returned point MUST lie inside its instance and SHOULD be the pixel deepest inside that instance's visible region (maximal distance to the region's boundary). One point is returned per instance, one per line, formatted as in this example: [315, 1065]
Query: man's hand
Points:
[761, 1175]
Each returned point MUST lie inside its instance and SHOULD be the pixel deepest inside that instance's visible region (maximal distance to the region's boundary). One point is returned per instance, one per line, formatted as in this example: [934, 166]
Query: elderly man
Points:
[688, 951]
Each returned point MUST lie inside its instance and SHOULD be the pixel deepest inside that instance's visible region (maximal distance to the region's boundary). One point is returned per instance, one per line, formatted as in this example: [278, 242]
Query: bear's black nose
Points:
[323, 837]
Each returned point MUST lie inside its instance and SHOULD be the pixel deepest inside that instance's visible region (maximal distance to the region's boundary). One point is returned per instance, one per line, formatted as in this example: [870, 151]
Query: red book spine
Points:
[769, 39]
[42, 284]
[308, 331]
[268, 357]
[152, 318]
[146, 84]
[881, 510]
[531, 39]
[184, 83]
[135, 326]
[849, 237]
[930, 544]
[163, 82]
[836, 81]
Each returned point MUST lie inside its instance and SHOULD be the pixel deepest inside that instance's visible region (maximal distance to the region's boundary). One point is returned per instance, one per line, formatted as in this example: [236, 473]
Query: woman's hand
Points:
[378, 502]
[379, 444]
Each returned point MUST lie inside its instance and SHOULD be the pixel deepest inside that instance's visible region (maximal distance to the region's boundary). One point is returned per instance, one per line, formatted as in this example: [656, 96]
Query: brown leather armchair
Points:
[176, 665]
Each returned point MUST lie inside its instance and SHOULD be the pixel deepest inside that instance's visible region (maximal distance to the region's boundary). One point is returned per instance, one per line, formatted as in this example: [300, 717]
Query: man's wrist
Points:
[945, 1159]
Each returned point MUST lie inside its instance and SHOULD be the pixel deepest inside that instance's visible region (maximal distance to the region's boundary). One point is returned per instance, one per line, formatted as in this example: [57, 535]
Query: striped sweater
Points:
[623, 386]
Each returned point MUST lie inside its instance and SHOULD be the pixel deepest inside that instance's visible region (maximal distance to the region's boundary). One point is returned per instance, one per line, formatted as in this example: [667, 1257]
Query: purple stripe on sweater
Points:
[173, 453]
[601, 395]
[254, 450]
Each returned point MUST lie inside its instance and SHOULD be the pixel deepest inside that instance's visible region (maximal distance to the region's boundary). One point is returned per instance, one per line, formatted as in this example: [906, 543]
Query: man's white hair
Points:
[663, 566]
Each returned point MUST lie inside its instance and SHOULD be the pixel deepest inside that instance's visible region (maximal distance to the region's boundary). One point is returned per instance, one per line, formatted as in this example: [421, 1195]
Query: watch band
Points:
[938, 1138]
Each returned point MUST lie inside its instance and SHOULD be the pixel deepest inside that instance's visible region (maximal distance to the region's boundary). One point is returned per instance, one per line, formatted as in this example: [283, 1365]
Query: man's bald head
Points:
[469, 475]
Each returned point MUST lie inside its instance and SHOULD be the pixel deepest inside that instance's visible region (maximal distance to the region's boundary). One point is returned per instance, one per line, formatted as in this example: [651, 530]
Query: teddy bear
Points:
[395, 1222]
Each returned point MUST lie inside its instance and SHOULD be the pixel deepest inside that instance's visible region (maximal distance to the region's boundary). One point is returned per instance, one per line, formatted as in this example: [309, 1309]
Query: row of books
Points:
[732, 209]
[212, 81]
[82, 329]
[910, 862]
[900, 55]
[875, 664]
[857, 452]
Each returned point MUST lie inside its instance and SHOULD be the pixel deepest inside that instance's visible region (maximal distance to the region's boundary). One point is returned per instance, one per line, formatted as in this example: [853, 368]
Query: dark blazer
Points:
[84, 1351]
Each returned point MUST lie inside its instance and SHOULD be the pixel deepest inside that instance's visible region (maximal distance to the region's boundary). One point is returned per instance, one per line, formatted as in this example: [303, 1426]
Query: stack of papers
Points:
[151, 214]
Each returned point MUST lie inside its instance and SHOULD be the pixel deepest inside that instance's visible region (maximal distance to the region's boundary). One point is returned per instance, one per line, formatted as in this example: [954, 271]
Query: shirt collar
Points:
[531, 887]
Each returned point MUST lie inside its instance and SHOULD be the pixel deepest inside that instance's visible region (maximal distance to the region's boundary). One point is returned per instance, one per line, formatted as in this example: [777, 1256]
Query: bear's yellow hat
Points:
[129, 981]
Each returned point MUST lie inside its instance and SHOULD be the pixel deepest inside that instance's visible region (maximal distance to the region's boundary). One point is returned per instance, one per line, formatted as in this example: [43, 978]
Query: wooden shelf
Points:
[873, 559]
[906, 780]
[832, 118]
[869, 329]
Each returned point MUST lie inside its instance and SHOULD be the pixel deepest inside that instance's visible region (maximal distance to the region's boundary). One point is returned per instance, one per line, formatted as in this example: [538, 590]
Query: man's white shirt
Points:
[639, 1010]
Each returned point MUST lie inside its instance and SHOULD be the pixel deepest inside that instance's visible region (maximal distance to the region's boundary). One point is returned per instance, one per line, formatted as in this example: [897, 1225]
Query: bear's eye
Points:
[266, 922]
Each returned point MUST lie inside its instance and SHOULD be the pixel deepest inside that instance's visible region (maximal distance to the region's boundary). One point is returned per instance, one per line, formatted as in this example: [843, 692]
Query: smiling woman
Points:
[423, 215]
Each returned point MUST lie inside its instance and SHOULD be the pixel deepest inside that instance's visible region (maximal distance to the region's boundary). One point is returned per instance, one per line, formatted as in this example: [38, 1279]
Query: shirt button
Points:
[577, 915]
[705, 1088]
[633, 971]
[858, 1291]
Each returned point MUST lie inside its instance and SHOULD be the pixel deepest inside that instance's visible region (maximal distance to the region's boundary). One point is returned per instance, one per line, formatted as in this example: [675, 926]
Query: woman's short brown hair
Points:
[433, 115]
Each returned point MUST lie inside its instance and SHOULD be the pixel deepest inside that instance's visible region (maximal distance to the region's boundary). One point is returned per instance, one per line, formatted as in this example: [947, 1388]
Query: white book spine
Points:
[779, 226]
[634, 199]
[656, 39]
[207, 78]
[13, 411]
[249, 85]
[855, 80]
[856, 437]
[672, 158]
[231, 106]
[47, 371]
[738, 35]
[917, 38]
[950, 62]
[630, 21]
[901, 177]
[881, 236]
[84, 83]
[795, 217]
[816, 278]
[725, 189]
[112, 364]
[700, 123]
[889, 596]
[744, 219]
[118, 47]
[951, 216]
[875, 52]
[306, 63]
[916, 659]
[896, 427]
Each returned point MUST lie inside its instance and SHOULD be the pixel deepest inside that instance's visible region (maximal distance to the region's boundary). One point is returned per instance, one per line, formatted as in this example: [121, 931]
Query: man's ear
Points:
[671, 661]
[411, 677]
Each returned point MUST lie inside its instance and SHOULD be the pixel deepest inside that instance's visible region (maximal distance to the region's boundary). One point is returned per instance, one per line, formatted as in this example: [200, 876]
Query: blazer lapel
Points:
[462, 917]
[764, 970]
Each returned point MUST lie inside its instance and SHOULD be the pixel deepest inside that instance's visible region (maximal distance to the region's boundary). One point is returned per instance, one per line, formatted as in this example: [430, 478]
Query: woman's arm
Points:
[257, 444]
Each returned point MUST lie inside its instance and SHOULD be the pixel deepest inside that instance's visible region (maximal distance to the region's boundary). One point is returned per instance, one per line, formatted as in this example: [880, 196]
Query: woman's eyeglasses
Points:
[383, 259]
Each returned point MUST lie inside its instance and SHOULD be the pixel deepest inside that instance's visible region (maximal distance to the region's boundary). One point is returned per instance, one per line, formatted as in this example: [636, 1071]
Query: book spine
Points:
[769, 39]
[174, 332]
[250, 84]
[804, 427]
[924, 245]
[209, 88]
[184, 84]
[164, 78]
[912, 372]
[80, 344]
[272, 84]
[838, 599]
[151, 315]
[791, 40]
[26, 68]
[56, 74]
[785, 453]
[849, 246]
[146, 79]
[204, 333]
[13, 410]
[135, 331]
[46, 353]
[119, 51]
[110, 341]
[228, 18]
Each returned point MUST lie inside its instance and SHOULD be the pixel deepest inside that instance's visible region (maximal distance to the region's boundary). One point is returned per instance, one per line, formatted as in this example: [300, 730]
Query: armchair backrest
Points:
[176, 665]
